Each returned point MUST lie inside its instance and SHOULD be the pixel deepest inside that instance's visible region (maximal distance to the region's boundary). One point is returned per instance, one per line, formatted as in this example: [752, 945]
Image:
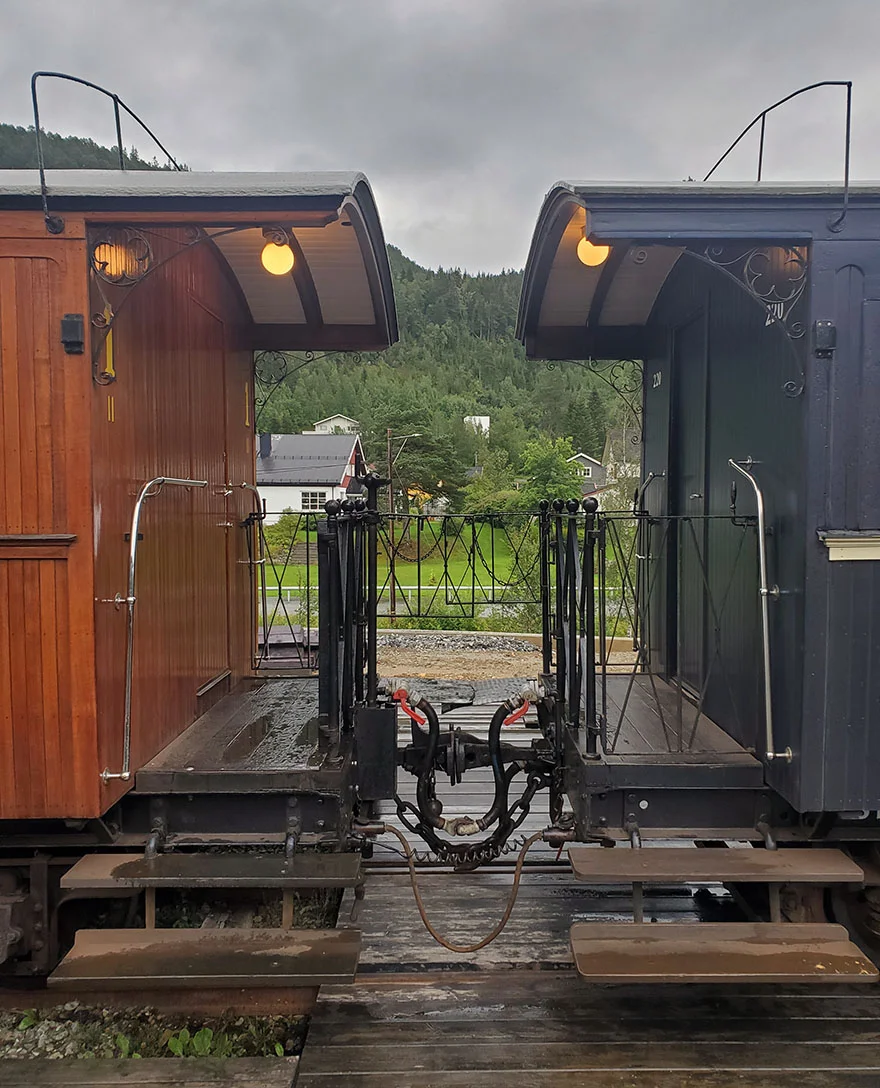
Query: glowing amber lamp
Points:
[590, 254]
[277, 259]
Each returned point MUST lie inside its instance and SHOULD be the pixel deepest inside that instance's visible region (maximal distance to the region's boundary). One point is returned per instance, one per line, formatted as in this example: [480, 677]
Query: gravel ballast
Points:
[453, 640]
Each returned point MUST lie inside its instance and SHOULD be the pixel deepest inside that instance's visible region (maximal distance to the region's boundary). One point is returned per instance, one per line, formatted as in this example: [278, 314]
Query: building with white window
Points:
[591, 472]
[336, 424]
[300, 472]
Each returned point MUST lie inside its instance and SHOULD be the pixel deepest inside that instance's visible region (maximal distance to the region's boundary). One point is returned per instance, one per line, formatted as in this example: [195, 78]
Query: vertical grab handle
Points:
[148, 491]
[765, 592]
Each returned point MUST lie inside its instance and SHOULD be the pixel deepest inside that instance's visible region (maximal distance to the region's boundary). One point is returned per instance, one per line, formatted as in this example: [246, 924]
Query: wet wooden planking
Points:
[480, 1029]
[191, 1073]
[466, 906]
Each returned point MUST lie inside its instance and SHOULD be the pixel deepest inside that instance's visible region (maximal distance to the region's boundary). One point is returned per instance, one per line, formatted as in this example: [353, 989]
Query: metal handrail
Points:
[259, 504]
[148, 491]
[766, 592]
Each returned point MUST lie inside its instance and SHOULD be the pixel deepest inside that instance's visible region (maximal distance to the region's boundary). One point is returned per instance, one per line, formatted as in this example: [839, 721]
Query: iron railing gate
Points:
[603, 587]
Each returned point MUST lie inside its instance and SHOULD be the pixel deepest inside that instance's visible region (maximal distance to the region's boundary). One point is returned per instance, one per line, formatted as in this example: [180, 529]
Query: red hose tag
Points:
[400, 697]
[517, 714]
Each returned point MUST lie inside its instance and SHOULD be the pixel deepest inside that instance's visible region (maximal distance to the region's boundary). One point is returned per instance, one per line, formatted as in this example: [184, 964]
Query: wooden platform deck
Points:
[647, 716]
[516, 1012]
[264, 735]
[550, 1030]
[183, 1073]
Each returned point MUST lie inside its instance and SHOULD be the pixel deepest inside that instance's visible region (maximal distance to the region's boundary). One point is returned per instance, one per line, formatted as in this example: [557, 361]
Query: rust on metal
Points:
[683, 864]
[718, 952]
[138, 959]
[201, 870]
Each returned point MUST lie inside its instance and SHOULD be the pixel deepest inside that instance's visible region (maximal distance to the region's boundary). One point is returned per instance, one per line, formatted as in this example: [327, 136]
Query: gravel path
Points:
[456, 656]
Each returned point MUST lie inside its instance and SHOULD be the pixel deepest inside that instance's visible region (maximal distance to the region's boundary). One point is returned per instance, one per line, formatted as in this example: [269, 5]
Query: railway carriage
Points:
[708, 655]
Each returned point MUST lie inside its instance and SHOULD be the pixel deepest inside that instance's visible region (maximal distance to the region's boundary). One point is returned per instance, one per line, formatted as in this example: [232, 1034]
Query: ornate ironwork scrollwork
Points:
[626, 377]
[776, 277]
[121, 256]
[273, 368]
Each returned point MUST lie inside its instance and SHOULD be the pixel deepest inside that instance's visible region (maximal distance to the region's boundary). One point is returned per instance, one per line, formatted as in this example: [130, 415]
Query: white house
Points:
[337, 424]
[301, 472]
[480, 424]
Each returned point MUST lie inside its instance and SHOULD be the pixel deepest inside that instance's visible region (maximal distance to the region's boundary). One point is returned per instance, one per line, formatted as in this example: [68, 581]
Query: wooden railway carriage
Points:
[133, 712]
[131, 305]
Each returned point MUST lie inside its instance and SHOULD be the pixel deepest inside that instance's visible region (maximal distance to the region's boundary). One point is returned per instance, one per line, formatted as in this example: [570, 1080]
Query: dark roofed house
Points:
[591, 472]
[301, 472]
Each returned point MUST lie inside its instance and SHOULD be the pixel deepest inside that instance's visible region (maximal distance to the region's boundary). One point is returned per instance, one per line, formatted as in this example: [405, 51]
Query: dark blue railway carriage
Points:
[754, 316]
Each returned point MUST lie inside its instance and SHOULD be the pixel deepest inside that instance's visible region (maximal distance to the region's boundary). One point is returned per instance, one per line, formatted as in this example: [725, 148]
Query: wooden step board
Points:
[718, 952]
[112, 1073]
[685, 864]
[199, 870]
[135, 959]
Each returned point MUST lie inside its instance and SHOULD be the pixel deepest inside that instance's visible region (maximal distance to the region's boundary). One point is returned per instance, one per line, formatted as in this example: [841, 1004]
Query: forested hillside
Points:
[18, 151]
[457, 357]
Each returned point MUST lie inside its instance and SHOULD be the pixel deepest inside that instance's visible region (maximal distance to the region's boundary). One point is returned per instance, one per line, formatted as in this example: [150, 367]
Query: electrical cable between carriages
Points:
[508, 910]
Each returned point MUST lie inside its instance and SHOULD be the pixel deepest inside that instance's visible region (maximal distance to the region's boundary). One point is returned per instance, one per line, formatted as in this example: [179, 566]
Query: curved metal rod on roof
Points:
[836, 223]
[53, 223]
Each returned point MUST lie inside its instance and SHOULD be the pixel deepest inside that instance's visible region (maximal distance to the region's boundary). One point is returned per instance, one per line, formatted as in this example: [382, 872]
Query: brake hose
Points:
[508, 910]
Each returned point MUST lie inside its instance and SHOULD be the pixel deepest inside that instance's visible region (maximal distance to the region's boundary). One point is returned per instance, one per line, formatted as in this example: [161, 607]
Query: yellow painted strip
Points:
[247, 405]
[109, 368]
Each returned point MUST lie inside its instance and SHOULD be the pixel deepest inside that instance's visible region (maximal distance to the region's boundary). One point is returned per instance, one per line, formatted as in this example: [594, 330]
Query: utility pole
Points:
[391, 547]
[403, 439]
[390, 470]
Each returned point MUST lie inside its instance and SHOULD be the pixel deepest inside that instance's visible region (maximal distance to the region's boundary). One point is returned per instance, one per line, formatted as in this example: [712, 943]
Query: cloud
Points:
[461, 112]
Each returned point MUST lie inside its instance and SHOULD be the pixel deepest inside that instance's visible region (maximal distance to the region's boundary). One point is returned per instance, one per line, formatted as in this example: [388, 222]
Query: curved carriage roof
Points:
[571, 311]
[339, 295]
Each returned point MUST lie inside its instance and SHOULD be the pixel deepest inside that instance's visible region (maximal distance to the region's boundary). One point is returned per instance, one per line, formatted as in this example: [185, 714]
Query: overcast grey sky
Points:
[461, 112]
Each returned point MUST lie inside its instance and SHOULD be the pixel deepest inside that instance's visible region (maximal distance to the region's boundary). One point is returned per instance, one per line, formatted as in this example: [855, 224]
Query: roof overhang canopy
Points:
[338, 295]
[569, 310]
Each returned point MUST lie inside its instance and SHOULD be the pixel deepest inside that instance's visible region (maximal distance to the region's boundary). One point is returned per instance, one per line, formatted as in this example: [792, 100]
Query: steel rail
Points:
[148, 491]
[766, 592]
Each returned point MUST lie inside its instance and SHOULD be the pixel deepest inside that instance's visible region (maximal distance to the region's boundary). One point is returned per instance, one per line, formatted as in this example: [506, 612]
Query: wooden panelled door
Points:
[47, 707]
[688, 497]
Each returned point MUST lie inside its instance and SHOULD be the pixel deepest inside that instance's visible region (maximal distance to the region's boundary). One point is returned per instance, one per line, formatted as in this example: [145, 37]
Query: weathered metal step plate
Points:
[132, 959]
[685, 864]
[718, 952]
[200, 870]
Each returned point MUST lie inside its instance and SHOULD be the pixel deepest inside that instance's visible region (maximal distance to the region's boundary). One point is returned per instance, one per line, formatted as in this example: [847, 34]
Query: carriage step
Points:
[151, 959]
[198, 870]
[718, 952]
[685, 865]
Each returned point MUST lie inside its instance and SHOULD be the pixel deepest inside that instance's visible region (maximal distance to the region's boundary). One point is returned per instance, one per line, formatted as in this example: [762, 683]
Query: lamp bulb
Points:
[590, 254]
[277, 259]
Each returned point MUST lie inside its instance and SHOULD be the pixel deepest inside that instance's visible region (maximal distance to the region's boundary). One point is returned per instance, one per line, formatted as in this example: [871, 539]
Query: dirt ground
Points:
[434, 664]
[441, 664]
